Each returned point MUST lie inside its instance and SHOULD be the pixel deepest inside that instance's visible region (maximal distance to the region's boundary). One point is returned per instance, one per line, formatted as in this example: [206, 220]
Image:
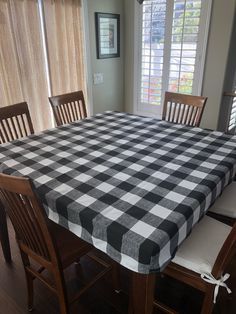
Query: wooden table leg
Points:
[142, 293]
[4, 235]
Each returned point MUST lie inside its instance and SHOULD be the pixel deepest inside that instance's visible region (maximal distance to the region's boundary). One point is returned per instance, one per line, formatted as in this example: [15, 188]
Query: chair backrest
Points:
[226, 253]
[68, 108]
[28, 218]
[15, 122]
[183, 109]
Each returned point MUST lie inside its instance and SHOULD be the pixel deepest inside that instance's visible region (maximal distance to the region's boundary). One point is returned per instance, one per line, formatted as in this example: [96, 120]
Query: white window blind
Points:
[173, 43]
[232, 118]
[153, 32]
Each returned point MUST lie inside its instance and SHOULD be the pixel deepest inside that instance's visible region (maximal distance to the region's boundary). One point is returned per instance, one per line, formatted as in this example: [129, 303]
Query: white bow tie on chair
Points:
[218, 283]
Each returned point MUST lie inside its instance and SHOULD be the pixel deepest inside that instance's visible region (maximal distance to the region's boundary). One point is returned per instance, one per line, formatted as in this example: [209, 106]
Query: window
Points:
[171, 50]
[232, 117]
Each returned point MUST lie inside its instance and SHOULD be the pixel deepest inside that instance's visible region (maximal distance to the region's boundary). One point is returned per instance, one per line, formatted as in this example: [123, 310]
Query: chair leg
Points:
[4, 236]
[29, 281]
[64, 309]
[116, 277]
[207, 306]
[30, 288]
[79, 271]
[61, 291]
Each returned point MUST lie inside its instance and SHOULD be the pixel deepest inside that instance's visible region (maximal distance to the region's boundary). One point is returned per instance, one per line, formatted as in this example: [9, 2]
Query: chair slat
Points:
[9, 129]
[64, 114]
[13, 126]
[80, 110]
[21, 134]
[169, 111]
[16, 218]
[6, 137]
[178, 113]
[76, 111]
[71, 107]
[186, 110]
[174, 113]
[194, 116]
[35, 229]
[191, 111]
[61, 114]
[24, 124]
[1, 134]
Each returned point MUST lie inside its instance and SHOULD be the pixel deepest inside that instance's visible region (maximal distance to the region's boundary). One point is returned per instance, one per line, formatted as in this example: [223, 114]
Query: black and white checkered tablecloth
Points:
[133, 186]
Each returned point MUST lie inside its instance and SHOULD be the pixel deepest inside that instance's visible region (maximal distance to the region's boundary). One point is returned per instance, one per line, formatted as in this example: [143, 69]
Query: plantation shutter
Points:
[232, 118]
[153, 33]
[172, 50]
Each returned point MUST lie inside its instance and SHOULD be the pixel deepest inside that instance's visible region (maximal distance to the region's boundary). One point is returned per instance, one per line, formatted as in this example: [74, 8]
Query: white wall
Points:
[229, 83]
[216, 57]
[110, 94]
[129, 54]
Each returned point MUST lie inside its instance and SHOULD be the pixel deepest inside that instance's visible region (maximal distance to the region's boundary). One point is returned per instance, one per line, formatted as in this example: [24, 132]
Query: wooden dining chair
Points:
[224, 208]
[68, 108]
[15, 122]
[183, 109]
[40, 240]
[202, 259]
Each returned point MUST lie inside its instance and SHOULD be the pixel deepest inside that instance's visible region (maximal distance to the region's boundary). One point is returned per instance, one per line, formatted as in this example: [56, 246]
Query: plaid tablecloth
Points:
[133, 186]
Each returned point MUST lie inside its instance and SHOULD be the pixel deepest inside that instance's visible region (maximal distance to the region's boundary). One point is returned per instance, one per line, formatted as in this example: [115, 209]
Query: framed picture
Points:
[107, 35]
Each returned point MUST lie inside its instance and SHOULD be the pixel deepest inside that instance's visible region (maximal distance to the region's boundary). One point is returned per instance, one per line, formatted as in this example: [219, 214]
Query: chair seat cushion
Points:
[226, 203]
[199, 251]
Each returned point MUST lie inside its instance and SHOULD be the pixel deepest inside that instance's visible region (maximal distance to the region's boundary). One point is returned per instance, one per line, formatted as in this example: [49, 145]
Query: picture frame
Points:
[107, 35]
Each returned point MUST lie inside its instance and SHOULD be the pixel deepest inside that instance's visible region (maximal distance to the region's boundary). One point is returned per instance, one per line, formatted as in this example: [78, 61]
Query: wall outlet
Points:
[98, 78]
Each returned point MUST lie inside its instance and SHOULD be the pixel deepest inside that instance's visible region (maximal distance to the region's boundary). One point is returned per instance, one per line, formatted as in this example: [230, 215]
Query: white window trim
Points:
[87, 57]
[45, 52]
[203, 33]
[137, 55]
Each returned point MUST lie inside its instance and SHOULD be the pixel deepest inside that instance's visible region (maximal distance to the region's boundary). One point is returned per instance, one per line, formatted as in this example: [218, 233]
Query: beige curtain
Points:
[64, 42]
[22, 65]
[10, 85]
[23, 60]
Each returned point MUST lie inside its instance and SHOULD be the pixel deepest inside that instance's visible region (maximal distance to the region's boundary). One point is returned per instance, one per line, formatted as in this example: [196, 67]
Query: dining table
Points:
[132, 186]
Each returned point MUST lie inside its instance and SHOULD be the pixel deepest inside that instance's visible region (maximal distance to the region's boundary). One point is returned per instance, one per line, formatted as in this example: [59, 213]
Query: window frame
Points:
[204, 29]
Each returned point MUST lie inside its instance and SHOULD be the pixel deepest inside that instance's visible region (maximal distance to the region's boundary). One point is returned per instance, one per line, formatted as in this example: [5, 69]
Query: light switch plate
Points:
[98, 78]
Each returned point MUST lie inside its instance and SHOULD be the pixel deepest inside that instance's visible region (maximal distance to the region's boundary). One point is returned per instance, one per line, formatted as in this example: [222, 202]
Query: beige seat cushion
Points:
[226, 204]
[199, 251]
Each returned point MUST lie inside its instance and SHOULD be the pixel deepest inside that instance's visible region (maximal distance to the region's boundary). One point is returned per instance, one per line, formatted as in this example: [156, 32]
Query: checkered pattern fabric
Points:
[132, 186]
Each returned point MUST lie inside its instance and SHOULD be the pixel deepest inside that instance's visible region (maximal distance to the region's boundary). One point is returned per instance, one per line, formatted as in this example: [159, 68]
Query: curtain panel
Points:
[64, 42]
